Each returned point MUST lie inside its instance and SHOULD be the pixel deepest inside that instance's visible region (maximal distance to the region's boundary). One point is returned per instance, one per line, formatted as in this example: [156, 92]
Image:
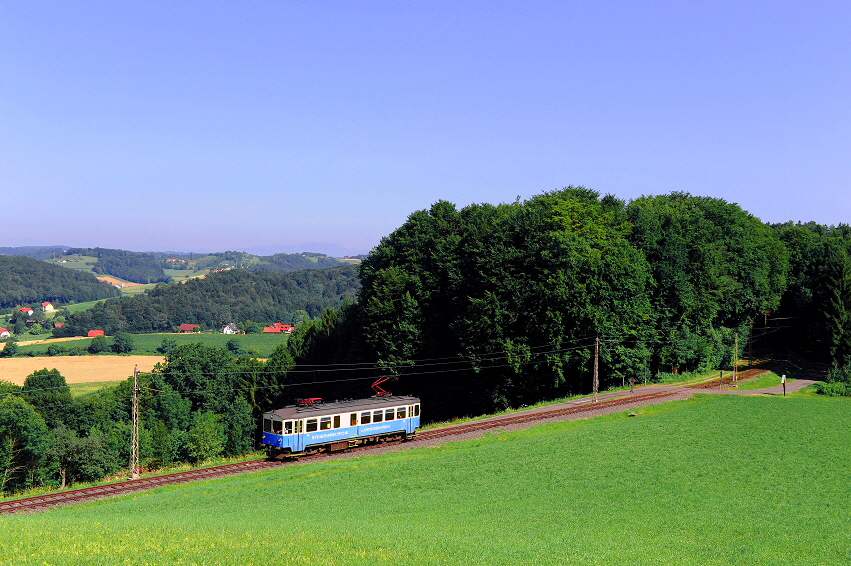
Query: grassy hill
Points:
[753, 480]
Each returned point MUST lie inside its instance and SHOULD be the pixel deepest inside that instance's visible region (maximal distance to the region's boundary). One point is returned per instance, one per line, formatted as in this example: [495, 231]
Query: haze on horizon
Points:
[214, 126]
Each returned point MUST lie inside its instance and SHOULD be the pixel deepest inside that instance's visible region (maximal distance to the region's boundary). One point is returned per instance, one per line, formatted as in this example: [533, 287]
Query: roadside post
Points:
[783, 381]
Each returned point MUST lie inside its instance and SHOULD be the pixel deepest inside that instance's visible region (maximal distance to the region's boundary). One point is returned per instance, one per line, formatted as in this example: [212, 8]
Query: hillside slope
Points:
[27, 281]
[219, 299]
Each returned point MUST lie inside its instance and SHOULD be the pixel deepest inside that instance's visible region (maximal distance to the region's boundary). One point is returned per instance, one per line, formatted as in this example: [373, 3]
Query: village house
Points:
[188, 328]
[93, 333]
[27, 310]
[47, 307]
[230, 329]
[4, 333]
[280, 328]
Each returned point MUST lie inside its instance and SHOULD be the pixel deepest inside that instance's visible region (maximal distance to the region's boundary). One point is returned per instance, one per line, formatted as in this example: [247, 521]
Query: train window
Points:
[267, 425]
[400, 413]
[276, 426]
[324, 423]
[288, 427]
[310, 426]
[336, 421]
[416, 410]
[388, 414]
[365, 418]
[353, 419]
[377, 416]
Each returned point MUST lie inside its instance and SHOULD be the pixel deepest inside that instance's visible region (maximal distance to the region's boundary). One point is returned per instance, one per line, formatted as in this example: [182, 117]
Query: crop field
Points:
[145, 344]
[77, 369]
[712, 480]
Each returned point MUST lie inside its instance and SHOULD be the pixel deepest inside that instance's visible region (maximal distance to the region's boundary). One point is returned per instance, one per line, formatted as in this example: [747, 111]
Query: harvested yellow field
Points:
[116, 281]
[77, 369]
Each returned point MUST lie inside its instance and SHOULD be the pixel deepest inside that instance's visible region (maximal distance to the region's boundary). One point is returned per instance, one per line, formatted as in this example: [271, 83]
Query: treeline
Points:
[131, 266]
[494, 306]
[220, 298]
[201, 403]
[291, 262]
[35, 252]
[27, 281]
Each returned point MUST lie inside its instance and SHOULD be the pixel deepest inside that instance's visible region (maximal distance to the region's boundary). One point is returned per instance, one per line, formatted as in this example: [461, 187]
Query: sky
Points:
[267, 125]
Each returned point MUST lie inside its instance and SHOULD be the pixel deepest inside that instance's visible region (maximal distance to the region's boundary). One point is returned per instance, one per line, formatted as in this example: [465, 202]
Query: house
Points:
[47, 307]
[280, 327]
[230, 329]
[189, 328]
[27, 310]
[58, 324]
[4, 333]
[93, 333]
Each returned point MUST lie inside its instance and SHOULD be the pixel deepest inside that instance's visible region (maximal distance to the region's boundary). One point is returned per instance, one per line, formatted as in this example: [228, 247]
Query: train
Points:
[312, 426]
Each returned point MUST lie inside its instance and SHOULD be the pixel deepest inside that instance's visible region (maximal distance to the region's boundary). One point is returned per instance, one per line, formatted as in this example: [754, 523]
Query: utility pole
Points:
[750, 346]
[736, 358]
[134, 438]
[596, 367]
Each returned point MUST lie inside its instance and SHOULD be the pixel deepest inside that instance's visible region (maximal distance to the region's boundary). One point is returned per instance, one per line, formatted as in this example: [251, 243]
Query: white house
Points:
[47, 307]
[230, 329]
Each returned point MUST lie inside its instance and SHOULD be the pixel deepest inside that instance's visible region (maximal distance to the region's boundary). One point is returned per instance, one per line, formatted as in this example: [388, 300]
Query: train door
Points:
[298, 436]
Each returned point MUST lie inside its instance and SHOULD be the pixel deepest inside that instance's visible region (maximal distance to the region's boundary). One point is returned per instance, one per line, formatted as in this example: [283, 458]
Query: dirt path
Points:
[77, 369]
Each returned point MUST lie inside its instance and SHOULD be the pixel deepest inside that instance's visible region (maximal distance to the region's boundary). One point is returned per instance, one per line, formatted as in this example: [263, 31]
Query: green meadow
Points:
[711, 480]
[263, 344]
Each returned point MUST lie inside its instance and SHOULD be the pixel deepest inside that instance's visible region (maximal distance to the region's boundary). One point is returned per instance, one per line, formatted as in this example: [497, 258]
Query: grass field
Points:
[715, 480]
[78, 307]
[262, 344]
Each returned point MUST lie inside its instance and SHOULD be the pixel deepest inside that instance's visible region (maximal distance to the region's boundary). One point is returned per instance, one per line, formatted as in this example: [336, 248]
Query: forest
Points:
[27, 281]
[495, 306]
[131, 266]
[220, 298]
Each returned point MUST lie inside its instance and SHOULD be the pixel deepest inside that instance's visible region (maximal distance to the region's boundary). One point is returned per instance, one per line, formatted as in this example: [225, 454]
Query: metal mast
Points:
[596, 367]
[134, 438]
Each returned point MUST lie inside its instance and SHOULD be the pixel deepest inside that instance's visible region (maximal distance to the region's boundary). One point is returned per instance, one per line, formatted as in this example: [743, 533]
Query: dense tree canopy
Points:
[27, 281]
[219, 299]
[491, 306]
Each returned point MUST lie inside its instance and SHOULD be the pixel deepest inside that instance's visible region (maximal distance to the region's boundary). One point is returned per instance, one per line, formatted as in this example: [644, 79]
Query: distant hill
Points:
[27, 281]
[35, 252]
[236, 295]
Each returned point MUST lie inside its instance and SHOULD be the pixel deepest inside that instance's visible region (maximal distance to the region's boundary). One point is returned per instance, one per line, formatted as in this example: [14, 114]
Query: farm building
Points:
[27, 310]
[230, 329]
[4, 333]
[189, 328]
[47, 307]
[280, 327]
[93, 333]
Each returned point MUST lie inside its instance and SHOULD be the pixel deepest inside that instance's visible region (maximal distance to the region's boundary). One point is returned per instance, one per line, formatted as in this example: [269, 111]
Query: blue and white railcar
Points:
[312, 426]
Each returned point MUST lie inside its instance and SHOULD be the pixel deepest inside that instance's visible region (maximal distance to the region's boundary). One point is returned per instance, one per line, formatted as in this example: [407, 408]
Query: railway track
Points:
[41, 502]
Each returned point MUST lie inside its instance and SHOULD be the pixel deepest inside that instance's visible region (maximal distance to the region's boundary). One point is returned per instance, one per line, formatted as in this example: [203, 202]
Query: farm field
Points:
[77, 369]
[145, 344]
[716, 479]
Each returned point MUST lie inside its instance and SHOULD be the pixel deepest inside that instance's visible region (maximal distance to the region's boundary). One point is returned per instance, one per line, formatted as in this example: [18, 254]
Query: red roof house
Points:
[185, 328]
[27, 310]
[4, 333]
[279, 327]
[93, 333]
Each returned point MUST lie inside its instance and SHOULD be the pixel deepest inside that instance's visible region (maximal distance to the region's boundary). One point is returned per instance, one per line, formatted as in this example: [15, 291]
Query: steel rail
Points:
[41, 502]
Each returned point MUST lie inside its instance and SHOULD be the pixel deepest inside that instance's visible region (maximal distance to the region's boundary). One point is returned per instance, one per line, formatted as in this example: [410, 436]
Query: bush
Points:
[834, 389]
[98, 345]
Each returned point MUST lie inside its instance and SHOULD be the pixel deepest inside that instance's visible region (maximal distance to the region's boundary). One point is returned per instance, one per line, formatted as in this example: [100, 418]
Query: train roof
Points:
[351, 405]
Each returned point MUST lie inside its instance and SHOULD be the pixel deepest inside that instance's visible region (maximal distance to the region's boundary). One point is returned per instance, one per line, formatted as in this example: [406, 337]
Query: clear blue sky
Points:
[237, 125]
